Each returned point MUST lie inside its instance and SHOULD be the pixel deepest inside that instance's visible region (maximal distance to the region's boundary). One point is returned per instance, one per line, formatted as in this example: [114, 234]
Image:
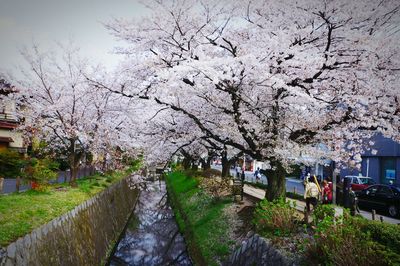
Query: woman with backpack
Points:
[311, 194]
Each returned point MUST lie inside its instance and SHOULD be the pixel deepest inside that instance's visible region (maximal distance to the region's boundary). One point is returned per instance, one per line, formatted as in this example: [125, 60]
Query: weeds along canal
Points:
[151, 236]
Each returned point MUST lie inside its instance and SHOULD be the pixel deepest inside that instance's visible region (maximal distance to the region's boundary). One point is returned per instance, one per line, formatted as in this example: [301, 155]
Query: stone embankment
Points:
[258, 251]
[83, 236]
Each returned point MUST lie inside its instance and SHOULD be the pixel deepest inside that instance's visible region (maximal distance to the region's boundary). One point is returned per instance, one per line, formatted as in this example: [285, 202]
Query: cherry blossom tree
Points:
[63, 109]
[271, 79]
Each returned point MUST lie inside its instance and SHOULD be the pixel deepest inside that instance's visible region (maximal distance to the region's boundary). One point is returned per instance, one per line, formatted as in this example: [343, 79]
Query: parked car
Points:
[380, 197]
[360, 182]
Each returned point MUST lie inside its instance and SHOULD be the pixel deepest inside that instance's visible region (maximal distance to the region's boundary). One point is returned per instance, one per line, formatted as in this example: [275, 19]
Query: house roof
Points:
[6, 139]
[8, 124]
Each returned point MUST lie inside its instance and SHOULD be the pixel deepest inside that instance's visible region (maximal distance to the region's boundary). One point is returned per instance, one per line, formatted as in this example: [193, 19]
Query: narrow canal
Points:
[152, 236]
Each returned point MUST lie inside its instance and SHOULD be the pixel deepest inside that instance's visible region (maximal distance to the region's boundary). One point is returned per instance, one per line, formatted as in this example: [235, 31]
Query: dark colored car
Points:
[380, 198]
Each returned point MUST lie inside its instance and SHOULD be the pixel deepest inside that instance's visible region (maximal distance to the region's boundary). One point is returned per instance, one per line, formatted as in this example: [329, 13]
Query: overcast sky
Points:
[47, 21]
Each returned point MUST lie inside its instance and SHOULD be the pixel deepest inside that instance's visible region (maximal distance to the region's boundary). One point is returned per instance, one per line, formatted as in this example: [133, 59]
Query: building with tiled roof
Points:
[9, 137]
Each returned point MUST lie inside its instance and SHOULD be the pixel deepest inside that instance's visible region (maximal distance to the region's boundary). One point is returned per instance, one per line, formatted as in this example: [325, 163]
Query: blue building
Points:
[384, 166]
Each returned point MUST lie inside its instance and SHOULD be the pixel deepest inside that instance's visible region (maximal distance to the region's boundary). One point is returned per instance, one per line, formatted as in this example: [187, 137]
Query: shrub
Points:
[43, 188]
[216, 187]
[190, 173]
[41, 171]
[211, 173]
[322, 212]
[276, 218]
[10, 163]
[384, 233]
[346, 243]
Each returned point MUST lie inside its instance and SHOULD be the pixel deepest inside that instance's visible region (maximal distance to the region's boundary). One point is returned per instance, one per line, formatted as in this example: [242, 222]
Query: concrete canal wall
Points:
[83, 236]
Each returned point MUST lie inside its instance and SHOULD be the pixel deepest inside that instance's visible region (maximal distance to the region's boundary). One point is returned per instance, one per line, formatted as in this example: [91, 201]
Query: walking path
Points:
[300, 205]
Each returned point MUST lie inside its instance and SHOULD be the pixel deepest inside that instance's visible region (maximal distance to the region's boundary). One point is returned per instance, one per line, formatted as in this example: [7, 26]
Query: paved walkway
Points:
[300, 205]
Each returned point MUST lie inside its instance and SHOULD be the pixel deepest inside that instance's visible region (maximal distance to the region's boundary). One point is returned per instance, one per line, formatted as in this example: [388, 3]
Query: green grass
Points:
[20, 213]
[200, 217]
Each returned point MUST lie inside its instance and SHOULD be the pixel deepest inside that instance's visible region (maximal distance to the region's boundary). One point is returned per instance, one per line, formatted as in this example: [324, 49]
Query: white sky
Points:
[48, 21]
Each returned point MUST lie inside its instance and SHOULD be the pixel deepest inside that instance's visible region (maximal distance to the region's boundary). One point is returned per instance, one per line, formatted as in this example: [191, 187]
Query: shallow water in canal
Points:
[152, 236]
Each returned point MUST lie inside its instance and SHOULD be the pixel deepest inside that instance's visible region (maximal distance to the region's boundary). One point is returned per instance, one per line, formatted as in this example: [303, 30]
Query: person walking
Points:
[238, 170]
[354, 209]
[311, 195]
[326, 193]
[257, 174]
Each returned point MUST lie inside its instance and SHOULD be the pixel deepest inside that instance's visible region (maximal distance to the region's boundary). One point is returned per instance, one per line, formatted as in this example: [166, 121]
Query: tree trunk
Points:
[206, 163]
[74, 171]
[17, 183]
[226, 165]
[186, 163]
[72, 162]
[1, 184]
[104, 164]
[195, 166]
[276, 187]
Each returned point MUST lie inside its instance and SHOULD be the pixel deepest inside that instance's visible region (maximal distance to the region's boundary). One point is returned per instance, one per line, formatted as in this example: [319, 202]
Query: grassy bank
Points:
[201, 218]
[20, 213]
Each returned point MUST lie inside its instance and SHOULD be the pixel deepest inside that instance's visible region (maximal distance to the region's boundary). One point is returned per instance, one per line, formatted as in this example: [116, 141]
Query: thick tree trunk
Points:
[195, 166]
[186, 163]
[226, 165]
[17, 183]
[73, 163]
[104, 164]
[276, 187]
[206, 164]
[73, 171]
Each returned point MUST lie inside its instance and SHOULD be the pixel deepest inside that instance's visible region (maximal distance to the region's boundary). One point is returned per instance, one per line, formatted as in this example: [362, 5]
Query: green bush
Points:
[384, 233]
[347, 243]
[322, 212]
[10, 163]
[276, 218]
[41, 171]
[191, 173]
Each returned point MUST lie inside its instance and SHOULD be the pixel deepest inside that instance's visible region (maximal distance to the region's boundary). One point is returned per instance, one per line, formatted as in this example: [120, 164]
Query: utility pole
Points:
[334, 181]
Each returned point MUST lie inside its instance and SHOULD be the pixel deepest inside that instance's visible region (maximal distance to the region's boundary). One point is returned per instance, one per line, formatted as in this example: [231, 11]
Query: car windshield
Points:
[366, 181]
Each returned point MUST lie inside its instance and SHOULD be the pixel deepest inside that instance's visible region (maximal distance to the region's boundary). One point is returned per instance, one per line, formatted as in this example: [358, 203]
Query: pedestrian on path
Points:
[311, 194]
[238, 170]
[326, 193]
[257, 174]
[353, 203]
[306, 180]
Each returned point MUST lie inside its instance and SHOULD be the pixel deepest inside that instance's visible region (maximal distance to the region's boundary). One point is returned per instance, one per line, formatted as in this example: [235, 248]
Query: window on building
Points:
[388, 170]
